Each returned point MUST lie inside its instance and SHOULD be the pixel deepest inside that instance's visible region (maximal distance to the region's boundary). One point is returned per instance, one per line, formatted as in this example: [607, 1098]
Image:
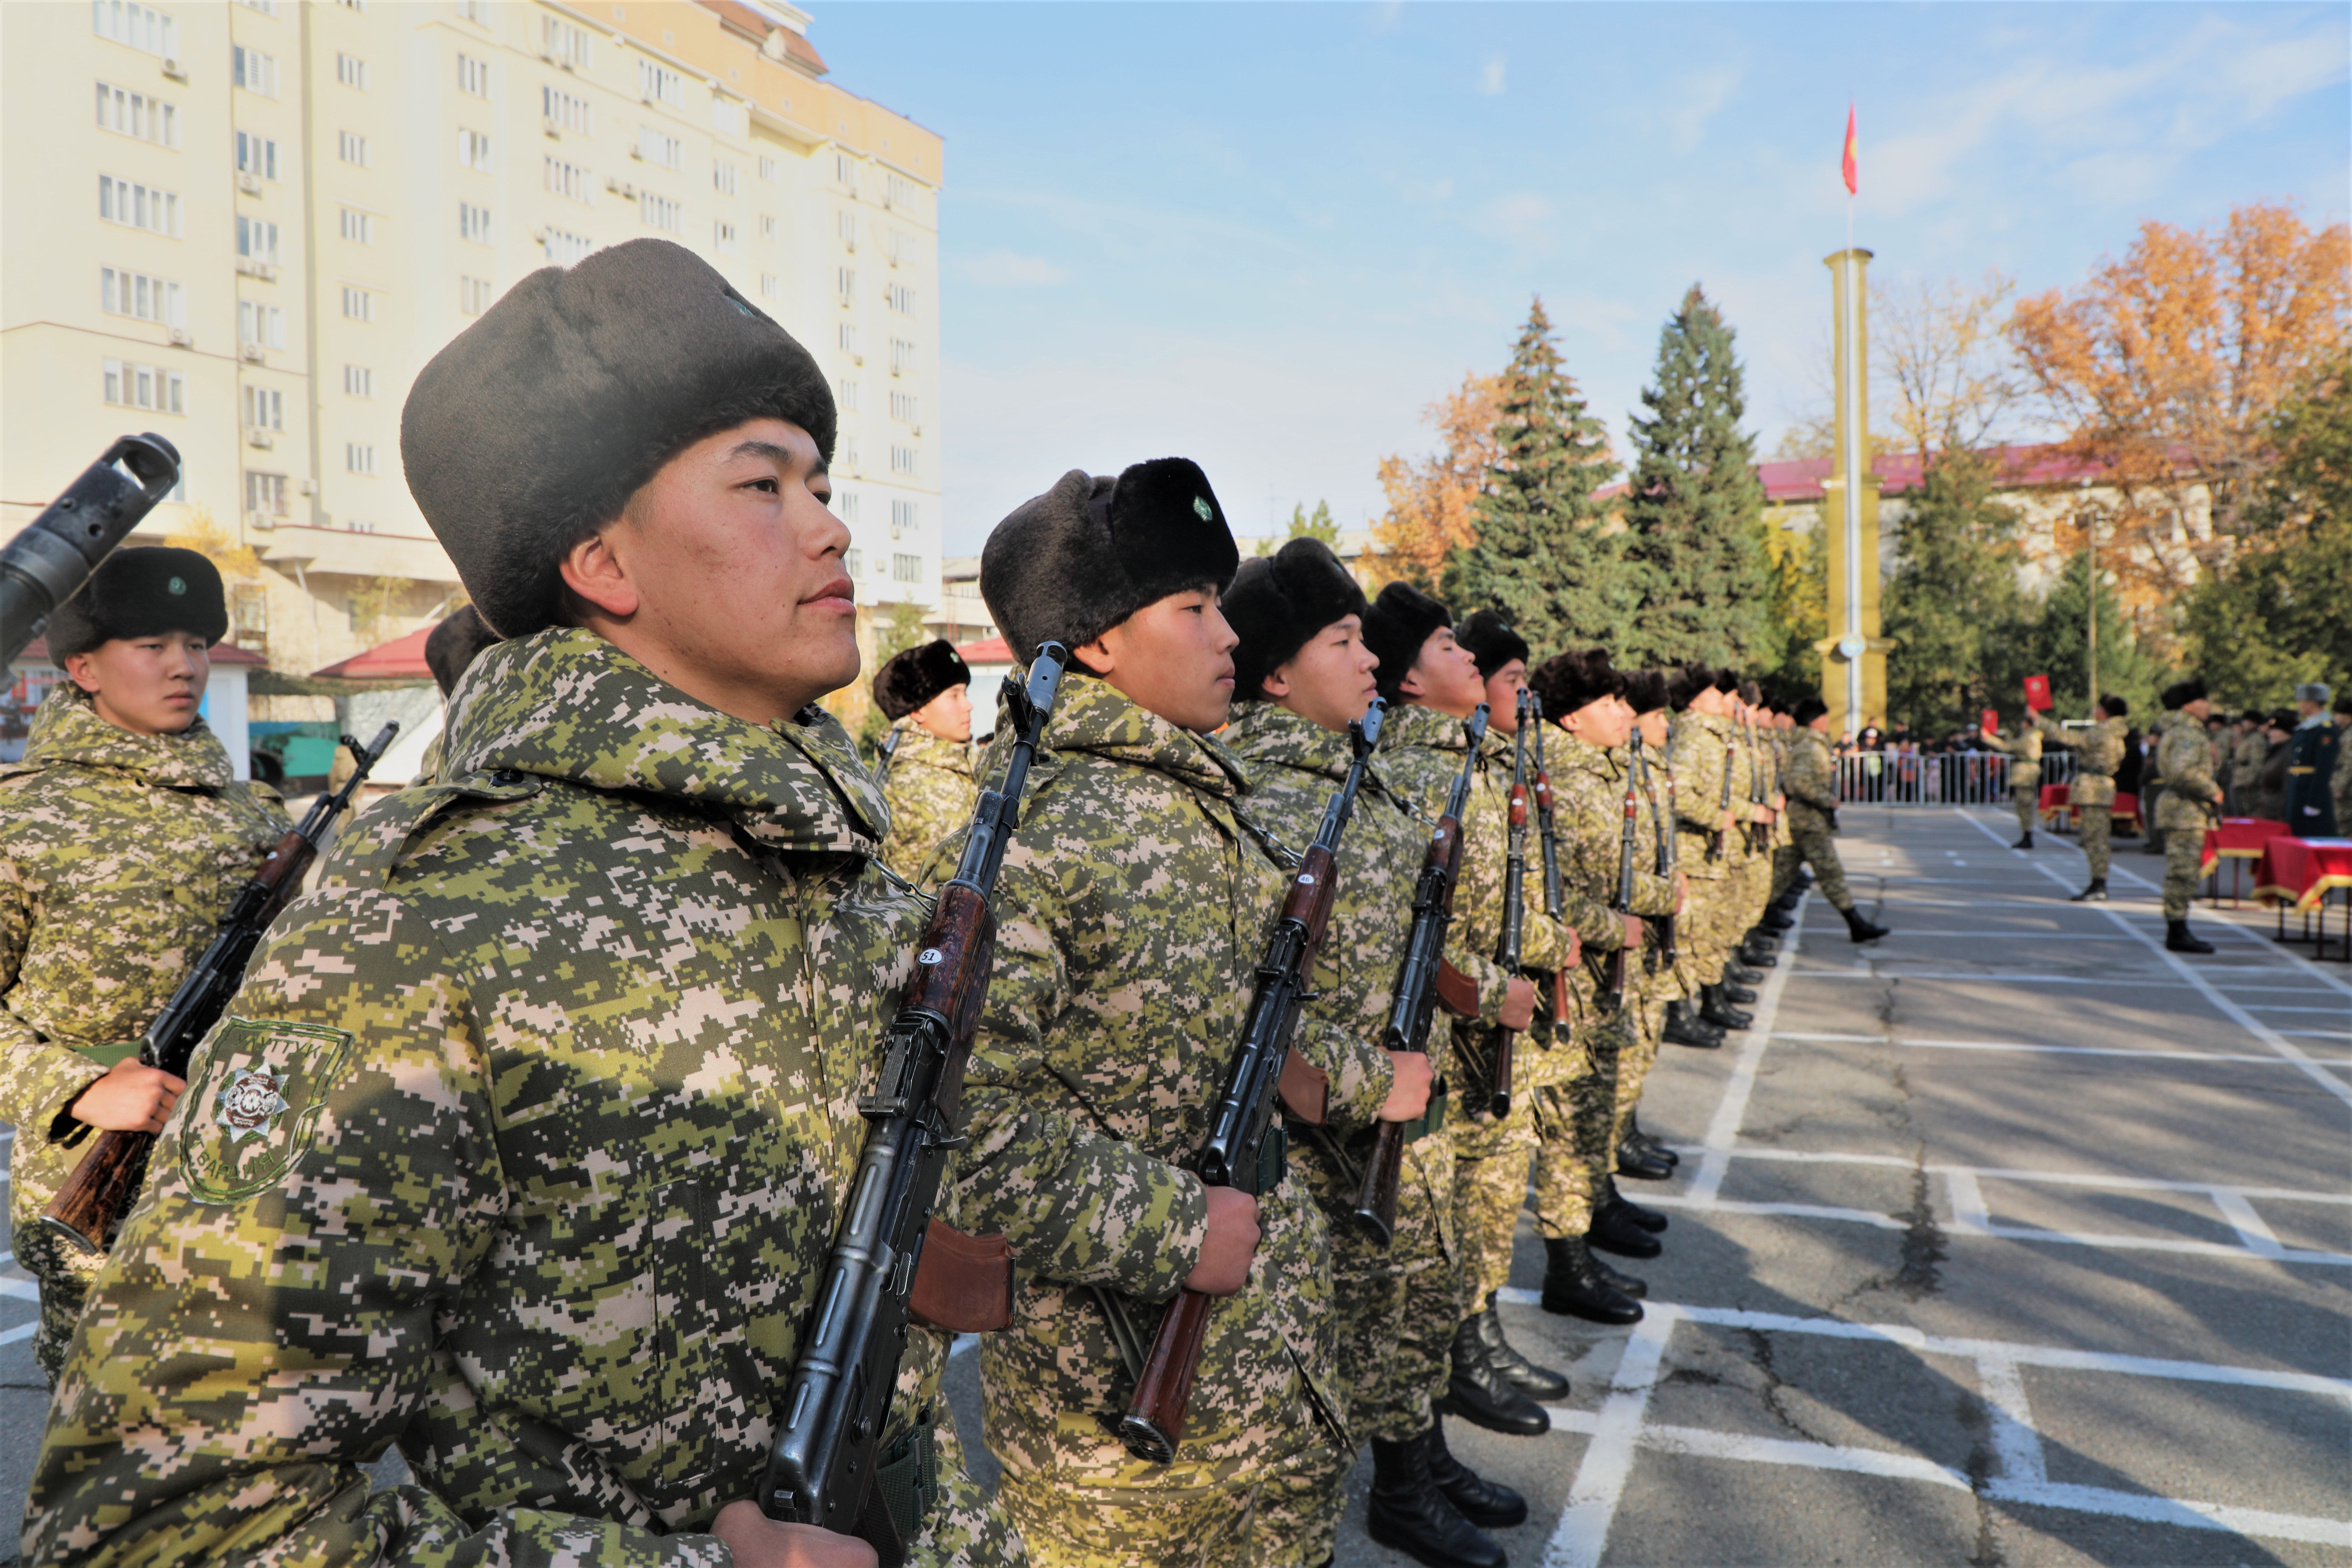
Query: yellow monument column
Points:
[1853, 656]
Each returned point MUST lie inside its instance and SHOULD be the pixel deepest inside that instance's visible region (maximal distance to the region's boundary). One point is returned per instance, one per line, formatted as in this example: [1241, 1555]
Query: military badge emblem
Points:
[259, 1092]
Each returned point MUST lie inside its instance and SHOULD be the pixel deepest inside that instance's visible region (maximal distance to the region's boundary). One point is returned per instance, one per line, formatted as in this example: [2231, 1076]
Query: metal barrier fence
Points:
[1937, 778]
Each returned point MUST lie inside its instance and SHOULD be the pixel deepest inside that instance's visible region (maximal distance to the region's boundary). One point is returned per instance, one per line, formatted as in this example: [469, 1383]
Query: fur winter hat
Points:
[1807, 710]
[910, 679]
[533, 427]
[1645, 690]
[136, 592]
[2181, 693]
[1070, 565]
[2312, 691]
[451, 648]
[2116, 707]
[1399, 623]
[1568, 681]
[1279, 603]
[1491, 641]
[1687, 681]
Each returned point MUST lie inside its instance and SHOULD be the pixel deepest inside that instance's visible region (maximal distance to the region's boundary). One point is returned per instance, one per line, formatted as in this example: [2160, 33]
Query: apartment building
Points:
[247, 224]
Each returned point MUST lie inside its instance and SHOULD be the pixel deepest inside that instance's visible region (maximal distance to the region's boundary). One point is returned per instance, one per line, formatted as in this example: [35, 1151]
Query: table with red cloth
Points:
[2240, 838]
[2302, 873]
[2056, 798]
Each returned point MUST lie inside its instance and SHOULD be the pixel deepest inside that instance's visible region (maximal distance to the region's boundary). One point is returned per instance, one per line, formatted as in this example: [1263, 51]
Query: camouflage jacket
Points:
[1588, 794]
[521, 1148]
[2342, 782]
[2247, 759]
[932, 789]
[2100, 749]
[119, 854]
[1811, 780]
[1699, 750]
[1135, 903]
[2191, 798]
[2024, 749]
[1656, 783]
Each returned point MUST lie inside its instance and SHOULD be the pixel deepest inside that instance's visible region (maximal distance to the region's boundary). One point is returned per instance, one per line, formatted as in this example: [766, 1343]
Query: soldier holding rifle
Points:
[525, 1143]
[1656, 982]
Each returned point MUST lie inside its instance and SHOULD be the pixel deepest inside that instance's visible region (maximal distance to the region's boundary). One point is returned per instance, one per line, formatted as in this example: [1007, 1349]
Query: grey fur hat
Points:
[533, 427]
[2312, 691]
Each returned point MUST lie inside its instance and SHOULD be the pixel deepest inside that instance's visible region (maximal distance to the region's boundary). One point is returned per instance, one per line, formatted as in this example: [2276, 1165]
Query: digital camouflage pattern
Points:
[119, 854]
[932, 790]
[1699, 750]
[2246, 761]
[2188, 808]
[2100, 749]
[1812, 784]
[2024, 749]
[521, 1148]
[1133, 908]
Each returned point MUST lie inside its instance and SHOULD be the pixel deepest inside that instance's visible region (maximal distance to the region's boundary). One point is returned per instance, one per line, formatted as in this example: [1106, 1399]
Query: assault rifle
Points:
[1759, 835]
[885, 751]
[1715, 845]
[47, 563]
[837, 1404]
[1546, 825]
[1413, 1003]
[1245, 1145]
[1495, 1068]
[90, 1203]
[1663, 826]
[1612, 968]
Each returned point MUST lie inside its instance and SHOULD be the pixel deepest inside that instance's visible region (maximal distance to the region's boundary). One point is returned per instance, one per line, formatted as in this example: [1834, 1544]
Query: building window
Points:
[256, 155]
[359, 228]
[906, 517]
[659, 84]
[565, 111]
[907, 407]
[844, 505]
[845, 172]
[147, 386]
[660, 147]
[567, 179]
[731, 119]
[473, 223]
[253, 70]
[266, 8]
[660, 212]
[566, 44]
[725, 178]
[355, 148]
[474, 295]
[265, 408]
[141, 27]
[473, 77]
[853, 561]
[565, 249]
[770, 228]
[351, 71]
[906, 460]
[257, 240]
[768, 169]
[844, 283]
[359, 457]
[902, 356]
[264, 493]
[359, 381]
[902, 195]
[770, 286]
[845, 394]
[473, 150]
[727, 239]
[260, 326]
[901, 298]
[128, 113]
[906, 568]
[141, 296]
[849, 338]
[138, 206]
[477, 12]
[359, 304]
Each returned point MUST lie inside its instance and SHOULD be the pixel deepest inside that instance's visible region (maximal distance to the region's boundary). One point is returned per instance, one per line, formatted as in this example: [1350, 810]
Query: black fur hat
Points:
[1726, 680]
[1491, 641]
[2181, 693]
[1070, 565]
[1399, 621]
[1568, 681]
[1645, 690]
[136, 592]
[912, 679]
[2116, 708]
[533, 427]
[1807, 710]
[451, 648]
[1686, 681]
[1279, 603]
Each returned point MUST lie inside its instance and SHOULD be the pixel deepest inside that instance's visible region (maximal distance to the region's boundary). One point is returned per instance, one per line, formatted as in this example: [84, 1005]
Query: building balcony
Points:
[418, 557]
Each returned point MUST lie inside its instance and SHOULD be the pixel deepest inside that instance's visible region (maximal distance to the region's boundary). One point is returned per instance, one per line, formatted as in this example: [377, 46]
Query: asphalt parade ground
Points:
[2008, 1241]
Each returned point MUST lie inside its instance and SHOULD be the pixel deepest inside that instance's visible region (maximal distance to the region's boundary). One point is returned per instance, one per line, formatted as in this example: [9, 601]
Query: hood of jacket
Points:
[67, 730]
[566, 705]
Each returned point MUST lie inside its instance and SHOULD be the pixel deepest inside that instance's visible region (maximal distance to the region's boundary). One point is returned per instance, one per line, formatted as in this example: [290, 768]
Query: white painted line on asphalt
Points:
[2177, 1512]
[2015, 1443]
[2126, 981]
[2252, 1228]
[2010, 935]
[2012, 1172]
[22, 1290]
[1837, 1040]
[2094, 1050]
[21, 1331]
[1582, 1534]
[2276, 1007]
[1732, 1109]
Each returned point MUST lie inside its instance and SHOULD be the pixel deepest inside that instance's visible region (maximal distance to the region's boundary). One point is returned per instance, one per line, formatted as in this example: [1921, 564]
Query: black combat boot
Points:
[1722, 1013]
[1755, 955]
[1623, 1283]
[2178, 938]
[1489, 1505]
[1758, 940]
[1407, 1512]
[1683, 1027]
[2024, 843]
[1574, 1287]
[1538, 1382]
[1738, 973]
[1633, 1130]
[1613, 1230]
[1641, 1162]
[1775, 921]
[1649, 1220]
[2096, 893]
[1729, 990]
[1479, 1392]
[1859, 927]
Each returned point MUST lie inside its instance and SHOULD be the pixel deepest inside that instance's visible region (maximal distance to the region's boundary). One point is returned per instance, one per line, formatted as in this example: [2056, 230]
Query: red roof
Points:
[2019, 467]
[403, 659]
[987, 650]
[37, 652]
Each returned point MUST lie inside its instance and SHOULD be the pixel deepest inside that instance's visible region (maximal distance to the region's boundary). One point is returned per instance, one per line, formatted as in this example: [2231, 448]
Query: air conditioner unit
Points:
[249, 184]
[914, 429]
[175, 70]
[180, 338]
[261, 521]
[546, 122]
[260, 439]
[546, 55]
[306, 487]
[636, 151]
[252, 353]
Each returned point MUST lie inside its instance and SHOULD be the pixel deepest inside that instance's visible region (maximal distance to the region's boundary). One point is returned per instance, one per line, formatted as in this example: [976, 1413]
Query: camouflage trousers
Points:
[2184, 857]
[966, 1528]
[66, 1273]
[1786, 858]
[1492, 1157]
[1819, 848]
[1268, 1518]
[2098, 821]
[1575, 1124]
[1640, 1052]
[2028, 801]
[1700, 935]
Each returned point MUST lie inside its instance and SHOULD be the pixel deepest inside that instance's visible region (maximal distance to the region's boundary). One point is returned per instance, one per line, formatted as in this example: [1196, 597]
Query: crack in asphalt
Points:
[1970, 1410]
[1773, 1383]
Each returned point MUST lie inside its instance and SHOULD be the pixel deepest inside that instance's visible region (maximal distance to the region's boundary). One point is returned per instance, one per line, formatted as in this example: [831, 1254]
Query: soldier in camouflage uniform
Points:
[2100, 749]
[1432, 684]
[1638, 1154]
[123, 838]
[2190, 797]
[2247, 755]
[1710, 805]
[1305, 673]
[2341, 713]
[1135, 903]
[2024, 750]
[526, 1140]
[1812, 782]
[928, 758]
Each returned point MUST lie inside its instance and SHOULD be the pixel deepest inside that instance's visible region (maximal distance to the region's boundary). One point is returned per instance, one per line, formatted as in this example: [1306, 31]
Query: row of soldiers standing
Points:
[524, 1146]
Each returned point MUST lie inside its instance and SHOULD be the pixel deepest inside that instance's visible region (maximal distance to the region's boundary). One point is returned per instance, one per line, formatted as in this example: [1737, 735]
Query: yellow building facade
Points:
[245, 224]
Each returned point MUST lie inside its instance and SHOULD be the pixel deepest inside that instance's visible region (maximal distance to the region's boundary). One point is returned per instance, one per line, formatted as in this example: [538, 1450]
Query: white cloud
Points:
[1008, 269]
[1490, 80]
[1702, 95]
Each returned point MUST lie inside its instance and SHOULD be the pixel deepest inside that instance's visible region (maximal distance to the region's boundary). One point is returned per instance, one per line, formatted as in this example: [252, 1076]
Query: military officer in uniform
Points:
[2024, 749]
[526, 1140]
[928, 761]
[2190, 805]
[2100, 750]
[2311, 765]
[123, 837]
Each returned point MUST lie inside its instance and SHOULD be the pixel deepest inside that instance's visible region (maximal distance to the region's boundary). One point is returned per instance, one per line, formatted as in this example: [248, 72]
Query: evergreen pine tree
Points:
[1960, 622]
[1541, 559]
[1693, 513]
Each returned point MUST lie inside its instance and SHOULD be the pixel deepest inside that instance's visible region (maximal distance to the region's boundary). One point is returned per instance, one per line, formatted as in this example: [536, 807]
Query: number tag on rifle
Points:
[256, 1101]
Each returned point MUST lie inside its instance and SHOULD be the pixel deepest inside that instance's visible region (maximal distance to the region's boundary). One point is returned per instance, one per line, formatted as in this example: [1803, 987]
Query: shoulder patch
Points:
[261, 1085]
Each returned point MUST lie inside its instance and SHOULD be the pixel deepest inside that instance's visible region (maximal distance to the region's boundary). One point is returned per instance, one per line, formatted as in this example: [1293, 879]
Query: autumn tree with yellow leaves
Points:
[1433, 504]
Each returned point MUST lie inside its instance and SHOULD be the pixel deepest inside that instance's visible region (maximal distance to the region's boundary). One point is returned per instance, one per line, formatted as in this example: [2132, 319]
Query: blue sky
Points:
[1267, 236]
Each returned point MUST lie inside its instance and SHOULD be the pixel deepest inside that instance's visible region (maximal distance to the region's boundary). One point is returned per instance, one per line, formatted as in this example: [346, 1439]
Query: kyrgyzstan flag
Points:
[1853, 149]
